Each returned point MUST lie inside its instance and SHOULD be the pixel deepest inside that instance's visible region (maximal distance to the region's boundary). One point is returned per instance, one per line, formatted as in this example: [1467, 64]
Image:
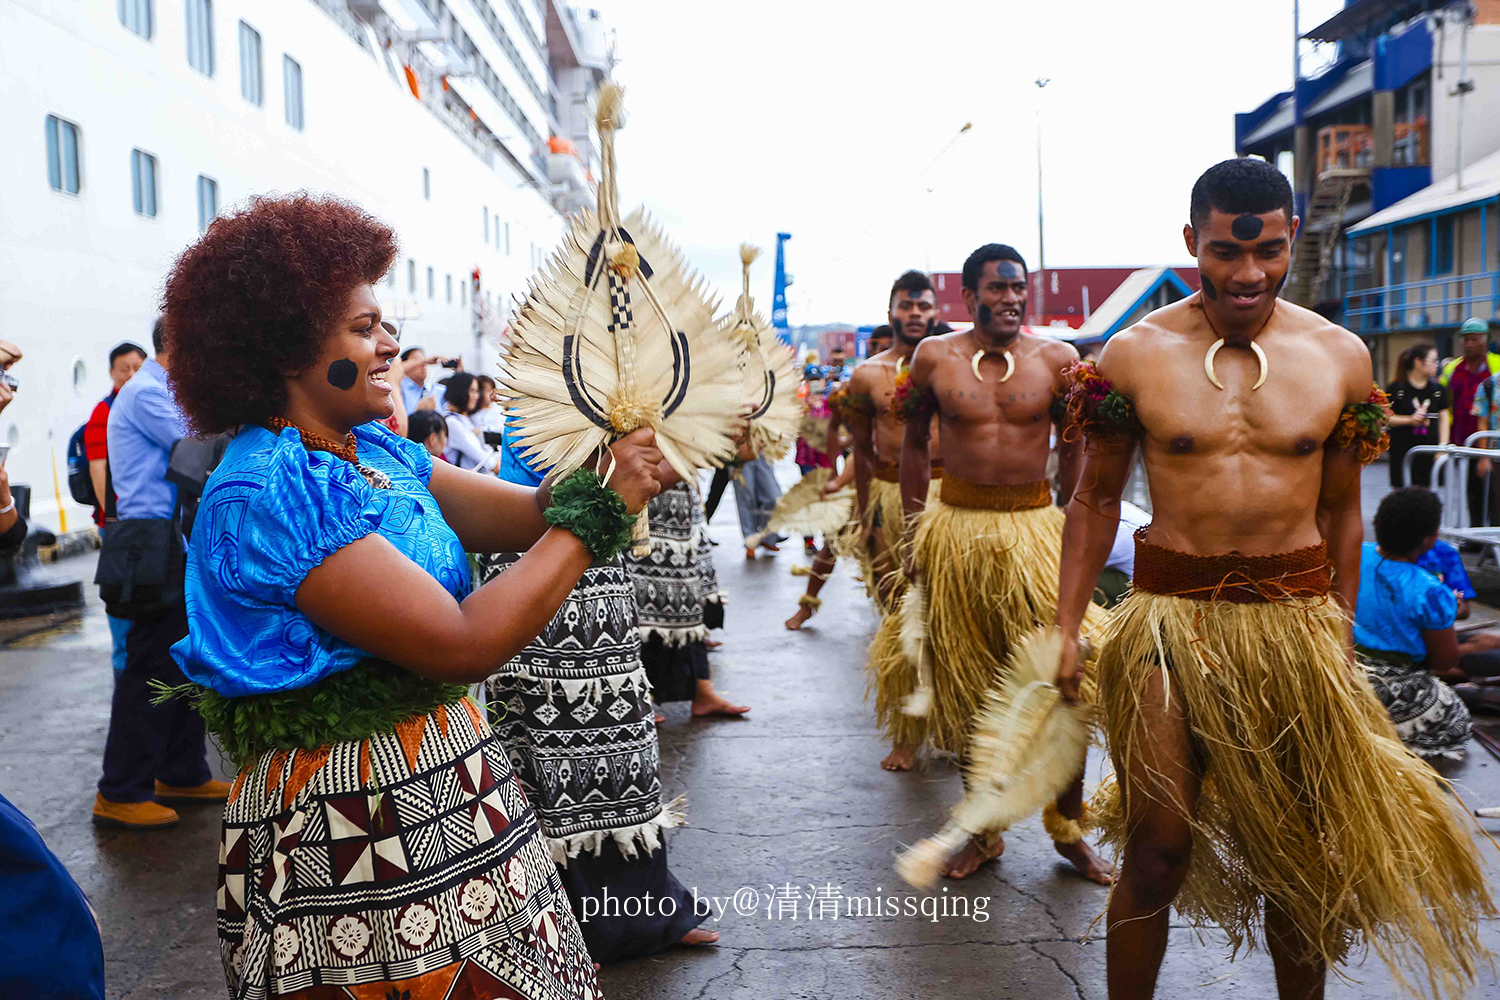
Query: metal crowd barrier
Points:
[1450, 481]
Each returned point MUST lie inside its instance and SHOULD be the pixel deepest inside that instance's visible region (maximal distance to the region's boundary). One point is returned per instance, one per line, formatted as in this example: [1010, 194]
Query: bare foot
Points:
[749, 553]
[660, 718]
[770, 546]
[698, 936]
[716, 705]
[900, 758]
[796, 622]
[974, 854]
[712, 643]
[1089, 864]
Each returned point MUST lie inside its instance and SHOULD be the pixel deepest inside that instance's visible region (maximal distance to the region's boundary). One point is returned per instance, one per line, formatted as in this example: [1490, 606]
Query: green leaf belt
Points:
[348, 706]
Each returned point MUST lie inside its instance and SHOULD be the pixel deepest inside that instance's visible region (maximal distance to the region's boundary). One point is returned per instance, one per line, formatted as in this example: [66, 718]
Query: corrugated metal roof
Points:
[1356, 83]
[1365, 17]
[1277, 122]
[1481, 183]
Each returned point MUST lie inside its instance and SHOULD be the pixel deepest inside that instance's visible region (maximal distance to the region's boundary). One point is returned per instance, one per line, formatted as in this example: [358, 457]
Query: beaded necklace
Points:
[348, 451]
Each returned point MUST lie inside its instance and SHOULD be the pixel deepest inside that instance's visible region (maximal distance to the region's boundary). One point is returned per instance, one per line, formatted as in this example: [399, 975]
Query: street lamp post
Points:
[1041, 245]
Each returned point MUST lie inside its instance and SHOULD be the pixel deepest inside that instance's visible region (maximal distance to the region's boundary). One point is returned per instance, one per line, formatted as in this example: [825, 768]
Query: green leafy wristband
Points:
[585, 505]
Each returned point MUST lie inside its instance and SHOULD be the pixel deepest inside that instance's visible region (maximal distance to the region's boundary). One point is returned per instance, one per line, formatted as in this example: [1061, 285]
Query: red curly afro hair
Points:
[254, 298]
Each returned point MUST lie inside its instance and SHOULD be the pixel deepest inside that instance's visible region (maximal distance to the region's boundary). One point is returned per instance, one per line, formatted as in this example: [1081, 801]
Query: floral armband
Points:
[850, 402]
[909, 403]
[1365, 426]
[1099, 410]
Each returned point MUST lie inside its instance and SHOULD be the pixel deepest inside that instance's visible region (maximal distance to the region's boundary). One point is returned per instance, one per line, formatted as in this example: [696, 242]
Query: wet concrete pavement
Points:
[791, 798]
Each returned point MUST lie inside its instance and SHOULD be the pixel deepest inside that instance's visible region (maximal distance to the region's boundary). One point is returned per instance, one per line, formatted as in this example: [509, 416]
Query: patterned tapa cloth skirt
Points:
[987, 558]
[1430, 718]
[677, 593]
[574, 712]
[407, 864]
[1309, 800]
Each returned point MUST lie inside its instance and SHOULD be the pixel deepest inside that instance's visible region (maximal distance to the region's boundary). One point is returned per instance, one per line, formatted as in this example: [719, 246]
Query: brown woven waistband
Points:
[1232, 577]
[892, 473]
[977, 496]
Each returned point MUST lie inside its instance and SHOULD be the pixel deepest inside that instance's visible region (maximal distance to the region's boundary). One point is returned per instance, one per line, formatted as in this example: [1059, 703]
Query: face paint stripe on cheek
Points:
[984, 316]
[1208, 287]
[342, 374]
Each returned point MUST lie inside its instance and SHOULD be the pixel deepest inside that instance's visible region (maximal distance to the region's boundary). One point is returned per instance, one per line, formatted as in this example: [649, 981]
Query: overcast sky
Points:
[827, 119]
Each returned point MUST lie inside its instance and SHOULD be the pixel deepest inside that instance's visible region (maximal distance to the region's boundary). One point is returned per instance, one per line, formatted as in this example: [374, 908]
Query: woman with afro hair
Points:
[375, 838]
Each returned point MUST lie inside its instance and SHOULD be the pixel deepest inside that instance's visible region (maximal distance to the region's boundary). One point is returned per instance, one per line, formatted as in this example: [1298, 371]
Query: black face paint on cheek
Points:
[931, 325]
[343, 373]
[984, 315]
[1246, 227]
[1279, 285]
[1208, 287]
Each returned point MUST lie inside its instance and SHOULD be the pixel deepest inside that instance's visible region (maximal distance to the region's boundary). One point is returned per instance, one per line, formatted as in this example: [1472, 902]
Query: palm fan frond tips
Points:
[770, 373]
[617, 332]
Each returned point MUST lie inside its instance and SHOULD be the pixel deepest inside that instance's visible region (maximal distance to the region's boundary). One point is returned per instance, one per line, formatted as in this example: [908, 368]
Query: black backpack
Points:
[80, 483]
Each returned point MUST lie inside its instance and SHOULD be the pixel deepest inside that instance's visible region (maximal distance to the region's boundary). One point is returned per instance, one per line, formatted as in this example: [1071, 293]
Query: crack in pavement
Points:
[1051, 914]
[1077, 987]
[734, 966]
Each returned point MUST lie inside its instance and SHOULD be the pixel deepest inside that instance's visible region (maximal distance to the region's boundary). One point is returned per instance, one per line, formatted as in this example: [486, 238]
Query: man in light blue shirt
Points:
[152, 752]
[144, 423]
[414, 381]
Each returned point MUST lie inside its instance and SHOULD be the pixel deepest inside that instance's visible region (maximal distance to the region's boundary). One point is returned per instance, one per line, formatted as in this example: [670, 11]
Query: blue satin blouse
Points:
[271, 512]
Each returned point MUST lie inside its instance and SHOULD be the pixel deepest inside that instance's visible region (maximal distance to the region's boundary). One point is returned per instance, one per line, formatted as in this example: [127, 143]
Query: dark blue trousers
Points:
[149, 743]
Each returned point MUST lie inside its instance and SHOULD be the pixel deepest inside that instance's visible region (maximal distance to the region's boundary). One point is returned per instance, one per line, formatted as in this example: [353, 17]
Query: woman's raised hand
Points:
[635, 460]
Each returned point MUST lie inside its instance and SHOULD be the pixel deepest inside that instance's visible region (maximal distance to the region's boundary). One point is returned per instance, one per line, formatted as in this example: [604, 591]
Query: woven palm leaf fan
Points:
[617, 333]
[806, 510]
[770, 374]
[1027, 746]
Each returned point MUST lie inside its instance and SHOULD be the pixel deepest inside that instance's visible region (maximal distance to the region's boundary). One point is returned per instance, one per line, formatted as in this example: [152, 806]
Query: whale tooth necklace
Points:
[1010, 364]
[1260, 355]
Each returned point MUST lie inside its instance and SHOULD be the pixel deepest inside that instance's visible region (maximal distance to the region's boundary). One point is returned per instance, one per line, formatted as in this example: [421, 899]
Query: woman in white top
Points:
[466, 447]
[490, 415]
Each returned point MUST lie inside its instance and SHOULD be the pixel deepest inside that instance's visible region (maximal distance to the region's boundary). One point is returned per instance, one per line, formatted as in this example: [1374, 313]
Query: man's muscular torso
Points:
[993, 432]
[877, 377]
[1235, 468]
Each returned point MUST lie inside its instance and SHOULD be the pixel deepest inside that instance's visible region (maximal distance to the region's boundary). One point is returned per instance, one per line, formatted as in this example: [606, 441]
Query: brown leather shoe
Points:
[132, 815]
[209, 791]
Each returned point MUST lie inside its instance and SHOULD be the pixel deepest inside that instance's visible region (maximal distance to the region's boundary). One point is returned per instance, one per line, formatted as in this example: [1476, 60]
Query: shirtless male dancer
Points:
[826, 558]
[876, 427]
[986, 544]
[1260, 786]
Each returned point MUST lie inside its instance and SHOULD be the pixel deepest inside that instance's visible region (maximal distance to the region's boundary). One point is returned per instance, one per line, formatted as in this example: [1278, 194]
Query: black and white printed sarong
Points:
[676, 579]
[574, 712]
[405, 864]
[1429, 717]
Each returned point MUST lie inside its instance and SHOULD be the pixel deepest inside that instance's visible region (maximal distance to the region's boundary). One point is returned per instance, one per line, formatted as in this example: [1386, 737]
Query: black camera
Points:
[449, 362]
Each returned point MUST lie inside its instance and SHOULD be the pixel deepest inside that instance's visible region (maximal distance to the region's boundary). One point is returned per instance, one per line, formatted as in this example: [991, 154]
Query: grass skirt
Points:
[1309, 799]
[991, 579]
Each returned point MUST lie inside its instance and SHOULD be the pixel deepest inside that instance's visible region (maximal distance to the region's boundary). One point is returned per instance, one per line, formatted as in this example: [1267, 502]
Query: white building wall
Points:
[1481, 125]
[80, 274]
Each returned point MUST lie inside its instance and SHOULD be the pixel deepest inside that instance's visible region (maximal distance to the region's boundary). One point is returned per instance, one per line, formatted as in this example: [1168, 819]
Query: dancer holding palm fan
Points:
[983, 551]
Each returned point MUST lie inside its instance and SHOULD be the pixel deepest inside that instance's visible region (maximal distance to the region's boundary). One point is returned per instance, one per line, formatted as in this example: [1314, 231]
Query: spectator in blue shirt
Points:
[414, 381]
[1403, 628]
[152, 751]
